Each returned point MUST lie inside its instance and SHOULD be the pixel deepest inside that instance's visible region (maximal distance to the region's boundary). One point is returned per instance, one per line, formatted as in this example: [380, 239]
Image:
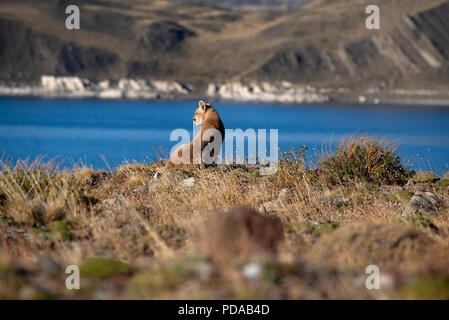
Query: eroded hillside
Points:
[322, 42]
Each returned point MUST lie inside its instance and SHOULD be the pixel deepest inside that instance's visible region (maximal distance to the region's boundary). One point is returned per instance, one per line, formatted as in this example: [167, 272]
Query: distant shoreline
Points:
[282, 92]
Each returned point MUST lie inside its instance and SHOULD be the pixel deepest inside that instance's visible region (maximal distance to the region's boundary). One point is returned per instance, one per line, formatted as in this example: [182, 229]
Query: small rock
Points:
[188, 183]
[241, 232]
[252, 271]
[337, 201]
[422, 201]
[157, 175]
[341, 201]
[206, 271]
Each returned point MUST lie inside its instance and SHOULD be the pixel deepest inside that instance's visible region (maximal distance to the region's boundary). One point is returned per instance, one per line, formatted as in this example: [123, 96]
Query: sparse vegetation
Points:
[136, 237]
[427, 288]
[365, 159]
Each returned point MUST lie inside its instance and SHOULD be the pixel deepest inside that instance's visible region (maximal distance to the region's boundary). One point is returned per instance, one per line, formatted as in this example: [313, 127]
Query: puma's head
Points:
[200, 112]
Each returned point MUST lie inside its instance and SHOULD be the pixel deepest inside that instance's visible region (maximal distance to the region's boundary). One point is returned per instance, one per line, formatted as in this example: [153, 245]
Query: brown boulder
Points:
[240, 232]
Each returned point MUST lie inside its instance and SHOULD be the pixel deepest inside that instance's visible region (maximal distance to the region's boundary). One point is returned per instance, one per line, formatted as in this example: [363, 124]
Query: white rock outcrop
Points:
[284, 92]
[67, 87]
[75, 87]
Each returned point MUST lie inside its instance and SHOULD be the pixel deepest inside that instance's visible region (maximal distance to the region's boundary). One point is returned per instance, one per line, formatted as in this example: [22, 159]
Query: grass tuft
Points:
[365, 159]
[98, 267]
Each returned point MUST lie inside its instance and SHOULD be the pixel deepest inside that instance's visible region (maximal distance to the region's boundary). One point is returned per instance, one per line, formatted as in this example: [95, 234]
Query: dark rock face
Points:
[26, 55]
[164, 35]
[241, 232]
[434, 24]
[417, 44]
[143, 69]
[303, 62]
[74, 60]
[24, 52]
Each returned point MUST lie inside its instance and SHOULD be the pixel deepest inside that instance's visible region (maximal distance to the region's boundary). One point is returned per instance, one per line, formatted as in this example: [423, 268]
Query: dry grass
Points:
[143, 229]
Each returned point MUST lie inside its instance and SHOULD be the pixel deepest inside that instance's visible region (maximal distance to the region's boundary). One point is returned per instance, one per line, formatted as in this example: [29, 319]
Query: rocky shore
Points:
[262, 92]
[74, 87]
[283, 92]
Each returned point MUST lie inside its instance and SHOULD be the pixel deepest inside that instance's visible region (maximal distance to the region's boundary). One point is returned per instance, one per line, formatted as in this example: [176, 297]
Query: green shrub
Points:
[433, 288]
[443, 182]
[98, 267]
[401, 195]
[365, 159]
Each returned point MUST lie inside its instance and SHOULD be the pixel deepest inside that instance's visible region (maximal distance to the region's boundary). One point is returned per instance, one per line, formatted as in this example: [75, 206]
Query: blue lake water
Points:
[84, 130]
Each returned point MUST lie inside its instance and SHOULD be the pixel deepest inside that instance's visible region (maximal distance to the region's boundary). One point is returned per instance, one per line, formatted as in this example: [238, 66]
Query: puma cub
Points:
[205, 146]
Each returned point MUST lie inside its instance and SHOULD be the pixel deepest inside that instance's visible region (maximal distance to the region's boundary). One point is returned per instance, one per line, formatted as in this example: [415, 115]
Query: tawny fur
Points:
[208, 117]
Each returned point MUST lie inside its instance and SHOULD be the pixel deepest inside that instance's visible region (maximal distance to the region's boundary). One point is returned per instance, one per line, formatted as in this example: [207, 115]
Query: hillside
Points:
[252, 5]
[310, 235]
[323, 43]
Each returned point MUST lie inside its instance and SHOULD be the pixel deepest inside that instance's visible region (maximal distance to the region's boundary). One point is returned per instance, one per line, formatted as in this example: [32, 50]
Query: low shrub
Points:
[364, 159]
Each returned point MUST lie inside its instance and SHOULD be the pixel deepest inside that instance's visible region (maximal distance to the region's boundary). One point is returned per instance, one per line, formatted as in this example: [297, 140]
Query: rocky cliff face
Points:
[416, 45]
[164, 35]
[26, 54]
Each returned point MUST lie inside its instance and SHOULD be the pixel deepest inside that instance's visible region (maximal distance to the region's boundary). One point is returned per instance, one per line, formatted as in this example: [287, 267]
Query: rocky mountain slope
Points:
[322, 43]
[417, 45]
[253, 4]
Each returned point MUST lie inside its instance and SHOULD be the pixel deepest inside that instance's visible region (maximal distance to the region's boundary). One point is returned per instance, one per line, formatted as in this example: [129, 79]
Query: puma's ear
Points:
[202, 105]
